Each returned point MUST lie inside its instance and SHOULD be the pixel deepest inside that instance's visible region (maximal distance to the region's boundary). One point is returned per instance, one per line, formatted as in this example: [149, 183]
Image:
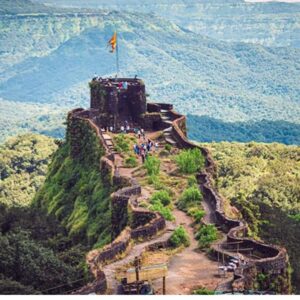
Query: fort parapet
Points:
[116, 101]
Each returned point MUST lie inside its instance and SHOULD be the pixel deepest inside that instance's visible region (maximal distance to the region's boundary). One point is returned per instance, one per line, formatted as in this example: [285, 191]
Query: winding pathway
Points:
[187, 270]
[136, 250]
[190, 268]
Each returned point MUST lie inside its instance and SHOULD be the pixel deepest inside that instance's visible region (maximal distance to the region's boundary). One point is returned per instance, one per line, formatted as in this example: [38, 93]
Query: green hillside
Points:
[75, 194]
[231, 82]
[23, 167]
[36, 254]
[263, 182]
[206, 129]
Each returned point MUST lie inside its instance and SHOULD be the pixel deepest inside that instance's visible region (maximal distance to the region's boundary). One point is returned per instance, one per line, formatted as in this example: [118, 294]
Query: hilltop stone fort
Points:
[115, 101]
[119, 101]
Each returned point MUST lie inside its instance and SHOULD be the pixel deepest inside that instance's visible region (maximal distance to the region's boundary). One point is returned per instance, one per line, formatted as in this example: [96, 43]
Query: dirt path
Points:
[190, 268]
[136, 250]
[187, 270]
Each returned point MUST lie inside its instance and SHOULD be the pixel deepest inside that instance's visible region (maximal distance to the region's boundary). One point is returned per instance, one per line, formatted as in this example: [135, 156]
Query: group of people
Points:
[125, 128]
[121, 85]
[143, 149]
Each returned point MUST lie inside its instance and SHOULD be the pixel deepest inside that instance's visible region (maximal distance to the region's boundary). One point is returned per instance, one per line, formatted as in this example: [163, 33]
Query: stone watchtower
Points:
[117, 100]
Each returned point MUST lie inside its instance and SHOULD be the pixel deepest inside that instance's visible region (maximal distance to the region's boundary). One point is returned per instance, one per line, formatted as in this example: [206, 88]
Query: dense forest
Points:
[23, 166]
[263, 182]
[30, 240]
[207, 129]
[51, 229]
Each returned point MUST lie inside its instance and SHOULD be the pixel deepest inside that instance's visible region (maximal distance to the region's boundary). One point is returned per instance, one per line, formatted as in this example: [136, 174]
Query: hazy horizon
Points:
[290, 1]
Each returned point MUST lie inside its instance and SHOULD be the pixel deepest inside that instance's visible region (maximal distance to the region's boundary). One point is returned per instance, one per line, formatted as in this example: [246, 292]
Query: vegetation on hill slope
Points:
[75, 194]
[36, 254]
[263, 182]
[206, 129]
[230, 20]
[23, 167]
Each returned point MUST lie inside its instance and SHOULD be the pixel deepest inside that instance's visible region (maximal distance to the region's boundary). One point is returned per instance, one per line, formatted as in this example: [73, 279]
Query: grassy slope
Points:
[75, 194]
[263, 181]
[23, 167]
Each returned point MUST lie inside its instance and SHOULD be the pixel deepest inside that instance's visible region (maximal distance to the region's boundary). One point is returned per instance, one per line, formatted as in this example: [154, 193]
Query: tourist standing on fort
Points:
[143, 154]
[143, 134]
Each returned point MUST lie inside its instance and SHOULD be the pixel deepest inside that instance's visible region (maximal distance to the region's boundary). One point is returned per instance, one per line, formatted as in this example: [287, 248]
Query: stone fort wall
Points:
[146, 224]
[275, 259]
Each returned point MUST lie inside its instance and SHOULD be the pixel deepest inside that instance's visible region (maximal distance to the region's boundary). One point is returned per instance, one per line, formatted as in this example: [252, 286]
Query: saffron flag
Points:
[113, 42]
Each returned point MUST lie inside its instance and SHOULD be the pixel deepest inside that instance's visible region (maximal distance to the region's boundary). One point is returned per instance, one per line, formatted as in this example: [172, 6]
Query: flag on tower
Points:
[113, 42]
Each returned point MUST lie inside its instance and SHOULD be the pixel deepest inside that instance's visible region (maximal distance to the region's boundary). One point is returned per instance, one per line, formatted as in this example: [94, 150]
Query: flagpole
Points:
[117, 55]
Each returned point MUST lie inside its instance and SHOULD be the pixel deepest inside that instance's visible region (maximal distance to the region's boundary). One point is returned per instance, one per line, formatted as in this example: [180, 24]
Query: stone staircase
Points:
[168, 131]
[108, 141]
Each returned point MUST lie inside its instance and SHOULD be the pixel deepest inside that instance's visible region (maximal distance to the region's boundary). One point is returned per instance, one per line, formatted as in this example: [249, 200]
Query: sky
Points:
[291, 1]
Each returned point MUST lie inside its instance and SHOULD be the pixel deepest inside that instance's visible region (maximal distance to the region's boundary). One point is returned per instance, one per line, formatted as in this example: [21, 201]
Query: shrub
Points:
[179, 237]
[164, 211]
[190, 161]
[163, 153]
[161, 196]
[192, 180]
[152, 165]
[168, 147]
[203, 291]
[196, 213]
[131, 162]
[121, 143]
[189, 198]
[295, 217]
[206, 235]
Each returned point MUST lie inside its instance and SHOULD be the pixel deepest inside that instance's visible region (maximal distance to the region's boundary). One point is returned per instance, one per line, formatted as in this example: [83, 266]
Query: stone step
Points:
[171, 141]
[165, 118]
[168, 122]
[163, 111]
[169, 129]
[106, 136]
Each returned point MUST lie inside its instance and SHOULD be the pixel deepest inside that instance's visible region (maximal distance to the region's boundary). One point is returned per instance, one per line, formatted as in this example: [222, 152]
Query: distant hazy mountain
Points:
[269, 24]
[22, 7]
[46, 62]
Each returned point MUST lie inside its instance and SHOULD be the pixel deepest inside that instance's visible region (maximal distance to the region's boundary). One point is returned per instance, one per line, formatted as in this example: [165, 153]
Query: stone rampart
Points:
[146, 224]
[272, 259]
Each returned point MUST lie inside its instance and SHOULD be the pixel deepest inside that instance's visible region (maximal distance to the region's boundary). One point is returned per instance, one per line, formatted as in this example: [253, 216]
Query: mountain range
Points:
[47, 59]
[269, 23]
